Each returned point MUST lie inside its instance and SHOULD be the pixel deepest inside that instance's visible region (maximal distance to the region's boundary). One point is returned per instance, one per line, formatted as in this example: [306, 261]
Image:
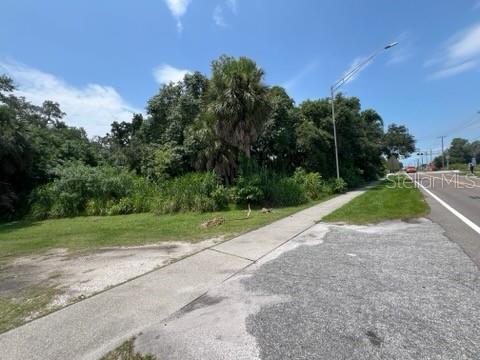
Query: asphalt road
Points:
[390, 291]
[461, 193]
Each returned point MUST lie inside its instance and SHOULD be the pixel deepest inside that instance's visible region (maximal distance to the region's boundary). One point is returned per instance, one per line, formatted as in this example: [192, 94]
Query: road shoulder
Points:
[455, 229]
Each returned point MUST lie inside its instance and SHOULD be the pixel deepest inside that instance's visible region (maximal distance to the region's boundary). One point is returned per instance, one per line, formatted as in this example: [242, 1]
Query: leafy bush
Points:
[336, 186]
[199, 192]
[353, 177]
[248, 190]
[268, 188]
[311, 183]
[285, 191]
[85, 190]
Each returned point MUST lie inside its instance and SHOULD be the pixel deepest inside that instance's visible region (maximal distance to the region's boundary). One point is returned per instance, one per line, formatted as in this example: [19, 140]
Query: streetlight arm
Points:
[354, 71]
[359, 67]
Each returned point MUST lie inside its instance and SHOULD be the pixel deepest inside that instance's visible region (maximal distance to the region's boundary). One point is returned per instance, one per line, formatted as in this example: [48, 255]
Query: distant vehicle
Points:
[410, 169]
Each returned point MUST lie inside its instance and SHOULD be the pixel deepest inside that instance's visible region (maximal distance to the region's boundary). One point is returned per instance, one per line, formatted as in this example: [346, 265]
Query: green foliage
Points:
[198, 124]
[275, 146]
[354, 177]
[311, 183]
[248, 190]
[284, 191]
[84, 190]
[265, 187]
[166, 161]
[198, 192]
[238, 100]
[398, 141]
[460, 151]
[33, 142]
[337, 186]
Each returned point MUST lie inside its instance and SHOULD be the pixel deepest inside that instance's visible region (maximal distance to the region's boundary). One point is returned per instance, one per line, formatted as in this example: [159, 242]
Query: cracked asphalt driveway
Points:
[390, 291]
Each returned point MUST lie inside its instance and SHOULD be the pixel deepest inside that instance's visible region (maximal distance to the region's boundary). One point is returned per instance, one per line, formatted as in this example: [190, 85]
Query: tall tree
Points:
[275, 146]
[33, 142]
[460, 151]
[239, 101]
[398, 141]
[314, 139]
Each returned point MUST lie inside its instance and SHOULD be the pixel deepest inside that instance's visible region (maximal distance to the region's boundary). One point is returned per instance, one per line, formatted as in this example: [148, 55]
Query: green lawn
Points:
[391, 199]
[82, 233]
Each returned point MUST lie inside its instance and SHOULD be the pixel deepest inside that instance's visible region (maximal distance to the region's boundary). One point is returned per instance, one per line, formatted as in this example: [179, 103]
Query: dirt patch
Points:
[78, 276]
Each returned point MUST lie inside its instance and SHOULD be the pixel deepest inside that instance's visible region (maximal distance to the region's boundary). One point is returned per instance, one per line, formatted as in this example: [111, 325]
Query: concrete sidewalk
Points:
[90, 328]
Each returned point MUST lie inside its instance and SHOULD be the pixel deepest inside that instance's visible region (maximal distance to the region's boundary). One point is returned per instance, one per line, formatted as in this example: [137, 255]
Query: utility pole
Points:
[335, 132]
[443, 153]
[348, 76]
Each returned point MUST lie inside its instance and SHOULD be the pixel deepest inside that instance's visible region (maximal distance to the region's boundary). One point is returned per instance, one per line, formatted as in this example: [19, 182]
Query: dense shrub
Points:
[311, 183]
[268, 188]
[85, 190]
[336, 186]
[284, 191]
[248, 190]
[199, 192]
[102, 190]
[353, 177]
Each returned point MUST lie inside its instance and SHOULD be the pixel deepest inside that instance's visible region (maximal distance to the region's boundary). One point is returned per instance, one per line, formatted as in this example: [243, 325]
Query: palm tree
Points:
[238, 101]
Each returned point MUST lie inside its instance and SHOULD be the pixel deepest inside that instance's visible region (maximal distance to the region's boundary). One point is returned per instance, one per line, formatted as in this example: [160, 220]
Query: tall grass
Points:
[83, 190]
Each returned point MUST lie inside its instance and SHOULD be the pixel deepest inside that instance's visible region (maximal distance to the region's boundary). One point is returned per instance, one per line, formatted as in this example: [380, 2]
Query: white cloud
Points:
[219, 13]
[465, 45]
[292, 82]
[93, 107]
[218, 16]
[178, 8]
[232, 5]
[454, 70]
[461, 53]
[165, 74]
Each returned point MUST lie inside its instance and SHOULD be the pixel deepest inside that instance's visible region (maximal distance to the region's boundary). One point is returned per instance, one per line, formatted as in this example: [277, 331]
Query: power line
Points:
[453, 130]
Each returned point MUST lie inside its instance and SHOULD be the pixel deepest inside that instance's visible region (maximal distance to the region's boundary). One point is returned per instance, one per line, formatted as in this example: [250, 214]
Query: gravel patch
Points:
[79, 276]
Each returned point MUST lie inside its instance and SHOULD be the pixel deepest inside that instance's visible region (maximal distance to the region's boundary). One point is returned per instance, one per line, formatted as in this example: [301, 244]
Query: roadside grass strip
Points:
[94, 232]
[394, 198]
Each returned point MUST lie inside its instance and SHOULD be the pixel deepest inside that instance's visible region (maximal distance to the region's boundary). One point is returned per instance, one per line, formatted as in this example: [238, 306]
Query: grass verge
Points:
[126, 351]
[15, 310]
[394, 198]
[86, 233]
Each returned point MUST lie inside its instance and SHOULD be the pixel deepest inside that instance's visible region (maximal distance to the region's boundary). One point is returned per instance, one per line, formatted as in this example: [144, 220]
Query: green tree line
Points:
[461, 152]
[252, 136]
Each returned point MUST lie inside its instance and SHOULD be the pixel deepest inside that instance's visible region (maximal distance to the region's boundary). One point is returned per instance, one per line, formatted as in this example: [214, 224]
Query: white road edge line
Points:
[466, 220]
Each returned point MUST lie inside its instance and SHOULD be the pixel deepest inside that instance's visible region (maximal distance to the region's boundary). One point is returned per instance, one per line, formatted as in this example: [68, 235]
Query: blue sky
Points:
[103, 59]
